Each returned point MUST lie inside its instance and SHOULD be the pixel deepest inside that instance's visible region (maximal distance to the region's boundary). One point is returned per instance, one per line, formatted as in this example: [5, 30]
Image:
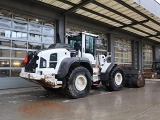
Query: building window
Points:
[4, 73]
[18, 53]
[20, 33]
[147, 56]
[4, 63]
[123, 54]
[4, 52]
[35, 46]
[5, 43]
[5, 33]
[19, 44]
[101, 44]
[15, 72]
[16, 63]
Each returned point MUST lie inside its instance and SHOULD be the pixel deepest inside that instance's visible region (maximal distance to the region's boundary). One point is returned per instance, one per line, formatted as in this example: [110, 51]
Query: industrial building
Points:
[129, 29]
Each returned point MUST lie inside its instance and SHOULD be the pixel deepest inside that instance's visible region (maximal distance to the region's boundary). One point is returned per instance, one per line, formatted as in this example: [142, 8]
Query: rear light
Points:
[25, 60]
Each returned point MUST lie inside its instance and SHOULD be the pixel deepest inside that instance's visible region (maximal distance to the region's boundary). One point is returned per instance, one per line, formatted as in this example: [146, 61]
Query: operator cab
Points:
[84, 42]
[75, 42]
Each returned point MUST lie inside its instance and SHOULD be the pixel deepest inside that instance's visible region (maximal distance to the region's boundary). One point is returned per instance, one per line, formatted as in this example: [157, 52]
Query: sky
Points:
[158, 1]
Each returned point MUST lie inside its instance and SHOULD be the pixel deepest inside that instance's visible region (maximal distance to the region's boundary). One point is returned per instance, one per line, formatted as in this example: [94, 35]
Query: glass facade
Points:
[19, 34]
[123, 54]
[147, 56]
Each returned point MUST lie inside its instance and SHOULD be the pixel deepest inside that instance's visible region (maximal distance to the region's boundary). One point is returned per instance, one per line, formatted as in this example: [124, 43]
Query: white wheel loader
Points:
[74, 67]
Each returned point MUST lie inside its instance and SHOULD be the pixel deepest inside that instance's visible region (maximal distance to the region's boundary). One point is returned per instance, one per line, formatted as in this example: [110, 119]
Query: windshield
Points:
[75, 42]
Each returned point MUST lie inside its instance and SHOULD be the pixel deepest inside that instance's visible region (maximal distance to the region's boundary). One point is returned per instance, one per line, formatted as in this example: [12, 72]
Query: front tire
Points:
[116, 81]
[78, 83]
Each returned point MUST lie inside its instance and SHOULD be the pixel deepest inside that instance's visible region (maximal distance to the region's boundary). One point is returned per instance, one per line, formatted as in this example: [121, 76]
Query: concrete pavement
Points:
[37, 104]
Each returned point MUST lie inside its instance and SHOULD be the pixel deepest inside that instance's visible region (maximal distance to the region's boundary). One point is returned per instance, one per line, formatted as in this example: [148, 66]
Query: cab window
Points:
[75, 42]
[89, 44]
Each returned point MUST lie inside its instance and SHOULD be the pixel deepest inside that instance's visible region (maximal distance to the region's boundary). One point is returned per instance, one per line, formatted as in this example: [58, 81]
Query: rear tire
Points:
[116, 81]
[78, 83]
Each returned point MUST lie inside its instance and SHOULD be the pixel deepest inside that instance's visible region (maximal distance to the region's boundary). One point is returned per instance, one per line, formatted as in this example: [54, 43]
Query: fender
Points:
[68, 62]
[105, 74]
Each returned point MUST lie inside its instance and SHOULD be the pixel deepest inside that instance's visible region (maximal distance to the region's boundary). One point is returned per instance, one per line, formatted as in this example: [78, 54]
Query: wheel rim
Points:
[118, 78]
[81, 82]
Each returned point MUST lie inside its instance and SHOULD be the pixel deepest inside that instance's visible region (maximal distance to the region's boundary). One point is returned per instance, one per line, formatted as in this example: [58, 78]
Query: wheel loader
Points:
[74, 67]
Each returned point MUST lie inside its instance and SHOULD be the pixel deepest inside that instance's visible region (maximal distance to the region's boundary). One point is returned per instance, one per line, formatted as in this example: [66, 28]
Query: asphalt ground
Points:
[35, 103]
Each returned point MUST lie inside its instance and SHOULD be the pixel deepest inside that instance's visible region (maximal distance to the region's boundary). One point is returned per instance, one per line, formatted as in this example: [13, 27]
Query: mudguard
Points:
[105, 75]
[68, 62]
